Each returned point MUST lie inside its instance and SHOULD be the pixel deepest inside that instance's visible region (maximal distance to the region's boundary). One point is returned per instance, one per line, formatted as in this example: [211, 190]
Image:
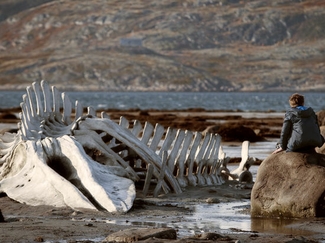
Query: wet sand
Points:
[196, 210]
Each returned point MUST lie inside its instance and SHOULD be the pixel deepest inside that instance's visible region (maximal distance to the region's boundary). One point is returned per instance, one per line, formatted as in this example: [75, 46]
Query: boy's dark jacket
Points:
[300, 130]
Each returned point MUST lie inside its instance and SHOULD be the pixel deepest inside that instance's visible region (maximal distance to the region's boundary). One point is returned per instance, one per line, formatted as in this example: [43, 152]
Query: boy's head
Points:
[296, 100]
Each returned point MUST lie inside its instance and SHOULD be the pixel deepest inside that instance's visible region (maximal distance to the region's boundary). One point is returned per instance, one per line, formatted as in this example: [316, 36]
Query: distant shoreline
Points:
[266, 124]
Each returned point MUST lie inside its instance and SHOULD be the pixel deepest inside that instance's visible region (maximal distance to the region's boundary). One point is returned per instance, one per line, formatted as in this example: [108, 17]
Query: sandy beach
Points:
[222, 209]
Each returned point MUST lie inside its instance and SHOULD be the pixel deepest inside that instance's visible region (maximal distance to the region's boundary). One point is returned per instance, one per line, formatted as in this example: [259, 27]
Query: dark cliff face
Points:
[193, 45]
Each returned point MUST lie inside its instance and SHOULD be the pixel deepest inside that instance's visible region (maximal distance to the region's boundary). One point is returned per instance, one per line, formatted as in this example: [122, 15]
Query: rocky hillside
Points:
[163, 45]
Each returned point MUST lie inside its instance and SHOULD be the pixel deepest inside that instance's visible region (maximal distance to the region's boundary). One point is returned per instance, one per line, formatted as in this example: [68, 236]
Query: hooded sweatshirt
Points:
[300, 130]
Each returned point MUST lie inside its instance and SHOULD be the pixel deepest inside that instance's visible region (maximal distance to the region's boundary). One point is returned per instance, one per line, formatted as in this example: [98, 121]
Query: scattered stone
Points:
[213, 200]
[208, 236]
[75, 213]
[254, 235]
[246, 176]
[39, 239]
[134, 234]
[2, 219]
[212, 190]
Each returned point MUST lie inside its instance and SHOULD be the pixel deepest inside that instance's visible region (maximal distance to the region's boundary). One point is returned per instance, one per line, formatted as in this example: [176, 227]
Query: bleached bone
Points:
[126, 136]
[162, 174]
[147, 132]
[170, 136]
[7, 141]
[199, 159]
[20, 184]
[245, 163]
[175, 150]
[212, 163]
[91, 140]
[124, 122]
[204, 163]
[136, 128]
[191, 177]
[222, 170]
[158, 133]
[93, 162]
[181, 159]
[50, 136]
[147, 180]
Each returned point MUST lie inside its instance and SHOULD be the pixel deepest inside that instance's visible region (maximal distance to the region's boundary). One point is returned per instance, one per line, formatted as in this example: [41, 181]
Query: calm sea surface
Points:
[235, 101]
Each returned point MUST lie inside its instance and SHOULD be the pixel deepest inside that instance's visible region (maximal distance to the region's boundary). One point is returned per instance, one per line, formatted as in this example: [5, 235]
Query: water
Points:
[258, 150]
[223, 101]
[204, 217]
[221, 218]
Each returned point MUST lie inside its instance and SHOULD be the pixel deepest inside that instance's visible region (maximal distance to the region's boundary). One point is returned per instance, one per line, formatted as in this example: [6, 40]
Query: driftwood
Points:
[88, 161]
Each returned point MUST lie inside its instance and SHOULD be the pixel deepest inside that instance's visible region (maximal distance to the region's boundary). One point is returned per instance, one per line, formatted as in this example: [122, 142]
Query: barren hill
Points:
[163, 45]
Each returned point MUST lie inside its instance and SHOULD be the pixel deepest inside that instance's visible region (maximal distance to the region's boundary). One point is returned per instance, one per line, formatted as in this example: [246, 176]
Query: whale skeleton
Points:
[65, 156]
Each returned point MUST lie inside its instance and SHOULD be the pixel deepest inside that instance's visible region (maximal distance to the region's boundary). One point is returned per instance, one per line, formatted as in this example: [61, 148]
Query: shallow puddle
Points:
[216, 218]
[220, 218]
[279, 226]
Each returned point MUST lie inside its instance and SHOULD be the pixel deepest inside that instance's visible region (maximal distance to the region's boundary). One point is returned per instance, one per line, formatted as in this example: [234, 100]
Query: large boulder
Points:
[290, 184]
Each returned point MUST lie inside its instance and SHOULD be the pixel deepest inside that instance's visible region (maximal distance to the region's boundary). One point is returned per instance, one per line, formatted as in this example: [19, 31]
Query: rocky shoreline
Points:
[264, 124]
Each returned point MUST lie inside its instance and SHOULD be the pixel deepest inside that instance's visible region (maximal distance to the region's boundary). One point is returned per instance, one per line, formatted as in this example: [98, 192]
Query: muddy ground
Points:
[25, 223]
[47, 224]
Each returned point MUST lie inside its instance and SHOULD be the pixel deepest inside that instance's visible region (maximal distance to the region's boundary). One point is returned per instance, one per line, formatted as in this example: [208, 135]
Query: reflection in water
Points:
[220, 218]
[277, 225]
[151, 224]
[223, 216]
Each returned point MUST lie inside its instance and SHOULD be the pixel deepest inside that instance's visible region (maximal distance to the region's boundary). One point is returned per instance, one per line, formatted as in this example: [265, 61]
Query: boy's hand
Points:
[277, 151]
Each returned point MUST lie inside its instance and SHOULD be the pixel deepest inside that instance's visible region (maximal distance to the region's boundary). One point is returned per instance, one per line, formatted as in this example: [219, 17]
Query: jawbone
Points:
[59, 173]
[45, 164]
